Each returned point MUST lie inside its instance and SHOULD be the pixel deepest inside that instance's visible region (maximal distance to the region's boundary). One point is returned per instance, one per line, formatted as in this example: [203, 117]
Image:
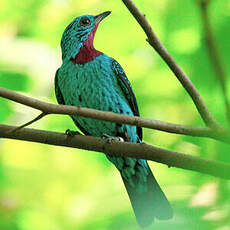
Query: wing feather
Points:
[127, 91]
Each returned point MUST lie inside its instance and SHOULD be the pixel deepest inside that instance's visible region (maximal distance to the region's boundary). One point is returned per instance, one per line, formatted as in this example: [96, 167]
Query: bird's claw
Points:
[110, 139]
[71, 133]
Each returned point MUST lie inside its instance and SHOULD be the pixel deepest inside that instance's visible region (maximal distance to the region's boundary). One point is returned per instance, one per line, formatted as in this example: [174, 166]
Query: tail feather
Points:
[150, 204]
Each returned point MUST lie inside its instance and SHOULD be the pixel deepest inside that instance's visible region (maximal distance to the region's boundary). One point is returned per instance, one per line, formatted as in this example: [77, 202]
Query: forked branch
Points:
[125, 149]
[143, 151]
[179, 73]
[48, 108]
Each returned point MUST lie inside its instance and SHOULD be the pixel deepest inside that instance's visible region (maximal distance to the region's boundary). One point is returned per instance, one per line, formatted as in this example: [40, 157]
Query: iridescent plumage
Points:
[89, 78]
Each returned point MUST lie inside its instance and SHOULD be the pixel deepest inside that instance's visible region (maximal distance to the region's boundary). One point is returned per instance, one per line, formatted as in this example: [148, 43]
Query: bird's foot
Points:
[110, 139]
[71, 133]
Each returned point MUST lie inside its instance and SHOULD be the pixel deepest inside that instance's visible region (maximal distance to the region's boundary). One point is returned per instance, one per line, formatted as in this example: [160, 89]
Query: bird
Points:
[90, 78]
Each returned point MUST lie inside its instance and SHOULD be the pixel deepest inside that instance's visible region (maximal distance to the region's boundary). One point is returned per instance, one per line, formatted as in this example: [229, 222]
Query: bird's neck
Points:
[87, 51]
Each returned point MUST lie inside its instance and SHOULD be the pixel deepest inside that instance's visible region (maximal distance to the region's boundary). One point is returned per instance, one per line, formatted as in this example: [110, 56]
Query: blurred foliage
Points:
[47, 187]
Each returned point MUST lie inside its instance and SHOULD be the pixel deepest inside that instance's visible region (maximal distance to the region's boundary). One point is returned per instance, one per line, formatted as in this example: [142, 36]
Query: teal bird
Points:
[89, 78]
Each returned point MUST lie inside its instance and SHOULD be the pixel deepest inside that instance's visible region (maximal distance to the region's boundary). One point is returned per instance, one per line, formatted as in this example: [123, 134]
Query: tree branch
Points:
[40, 116]
[48, 108]
[181, 76]
[213, 53]
[124, 149]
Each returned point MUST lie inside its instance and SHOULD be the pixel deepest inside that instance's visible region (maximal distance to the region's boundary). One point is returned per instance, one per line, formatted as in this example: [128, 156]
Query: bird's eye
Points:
[85, 22]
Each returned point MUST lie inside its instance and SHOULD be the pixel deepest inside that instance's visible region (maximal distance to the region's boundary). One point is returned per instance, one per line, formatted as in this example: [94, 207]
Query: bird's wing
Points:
[127, 91]
[61, 101]
[58, 93]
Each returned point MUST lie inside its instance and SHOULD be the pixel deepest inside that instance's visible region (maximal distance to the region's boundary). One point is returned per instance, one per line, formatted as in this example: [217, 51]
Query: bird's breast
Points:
[94, 85]
[85, 55]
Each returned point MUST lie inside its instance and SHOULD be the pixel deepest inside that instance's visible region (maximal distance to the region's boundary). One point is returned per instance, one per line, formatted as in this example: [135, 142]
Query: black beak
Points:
[101, 16]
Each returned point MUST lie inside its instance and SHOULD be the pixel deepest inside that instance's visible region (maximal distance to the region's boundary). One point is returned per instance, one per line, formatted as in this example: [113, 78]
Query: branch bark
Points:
[124, 149]
[48, 108]
[179, 73]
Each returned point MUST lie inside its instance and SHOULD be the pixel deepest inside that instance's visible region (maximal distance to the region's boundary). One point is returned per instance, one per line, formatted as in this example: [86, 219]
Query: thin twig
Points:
[124, 149]
[179, 73]
[40, 116]
[214, 55]
[48, 108]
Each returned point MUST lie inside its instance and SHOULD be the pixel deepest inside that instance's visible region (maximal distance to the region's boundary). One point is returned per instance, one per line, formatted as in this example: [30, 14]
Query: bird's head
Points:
[79, 32]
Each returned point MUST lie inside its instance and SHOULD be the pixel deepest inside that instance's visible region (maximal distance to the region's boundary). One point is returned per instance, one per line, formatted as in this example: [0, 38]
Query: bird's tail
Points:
[150, 204]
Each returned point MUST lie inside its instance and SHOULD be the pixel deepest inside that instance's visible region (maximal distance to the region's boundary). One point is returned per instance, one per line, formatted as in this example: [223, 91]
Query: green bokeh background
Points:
[46, 187]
